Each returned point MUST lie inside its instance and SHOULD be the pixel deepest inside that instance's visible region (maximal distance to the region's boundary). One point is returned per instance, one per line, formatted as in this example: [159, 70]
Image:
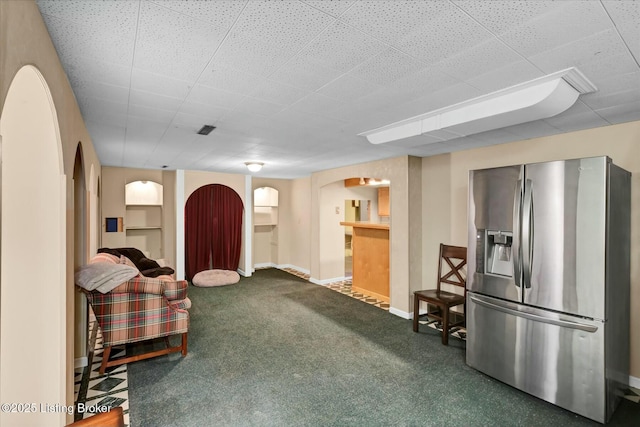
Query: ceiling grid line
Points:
[296, 81]
[622, 40]
[124, 145]
[203, 70]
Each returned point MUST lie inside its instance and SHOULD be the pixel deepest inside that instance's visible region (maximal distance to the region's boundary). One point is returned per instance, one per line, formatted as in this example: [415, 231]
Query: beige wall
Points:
[24, 40]
[445, 178]
[299, 208]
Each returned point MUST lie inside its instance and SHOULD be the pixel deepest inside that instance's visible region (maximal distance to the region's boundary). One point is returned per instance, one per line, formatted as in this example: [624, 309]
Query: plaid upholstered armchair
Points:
[139, 309]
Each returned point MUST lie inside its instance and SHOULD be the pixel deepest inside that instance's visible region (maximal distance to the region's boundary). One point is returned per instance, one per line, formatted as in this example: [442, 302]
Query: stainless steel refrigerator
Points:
[548, 280]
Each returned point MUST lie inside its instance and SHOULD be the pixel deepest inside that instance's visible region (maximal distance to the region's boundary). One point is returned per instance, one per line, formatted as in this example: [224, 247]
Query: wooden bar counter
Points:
[370, 246]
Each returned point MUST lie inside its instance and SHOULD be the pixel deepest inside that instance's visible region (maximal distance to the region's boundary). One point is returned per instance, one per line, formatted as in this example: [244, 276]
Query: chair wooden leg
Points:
[105, 359]
[184, 344]
[445, 325]
[416, 312]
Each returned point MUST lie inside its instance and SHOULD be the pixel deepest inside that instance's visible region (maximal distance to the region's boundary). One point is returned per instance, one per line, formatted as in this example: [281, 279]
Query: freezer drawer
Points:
[555, 357]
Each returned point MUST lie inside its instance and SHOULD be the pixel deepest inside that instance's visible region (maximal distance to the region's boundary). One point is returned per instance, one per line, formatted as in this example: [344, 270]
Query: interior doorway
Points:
[33, 228]
[355, 210]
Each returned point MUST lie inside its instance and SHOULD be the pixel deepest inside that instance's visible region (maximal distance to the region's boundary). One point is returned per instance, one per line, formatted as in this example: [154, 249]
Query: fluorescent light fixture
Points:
[254, 166]
[533, 100]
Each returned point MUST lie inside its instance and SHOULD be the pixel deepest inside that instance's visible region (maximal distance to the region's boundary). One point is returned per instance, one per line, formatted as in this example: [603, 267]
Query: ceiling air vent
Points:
[206, 130]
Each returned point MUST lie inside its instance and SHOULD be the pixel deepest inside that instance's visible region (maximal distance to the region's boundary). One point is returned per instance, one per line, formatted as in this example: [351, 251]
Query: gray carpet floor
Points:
[275, 350]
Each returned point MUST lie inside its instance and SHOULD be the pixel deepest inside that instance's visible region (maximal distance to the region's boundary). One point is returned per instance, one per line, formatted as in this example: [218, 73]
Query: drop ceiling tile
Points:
[252, 54]
[568, 23]
[419, 84]
[215, 97]
[444, 37]
[138, 150]
[387, 67]
[209, 114]
[95, 42]
[144, 131]
[348, 88]
[608, 67]
[498, 16]
[320, 105]
[80, 69]
[104, 132]
[504, 77]
[194, 122]
[498, 136]
[616, 83]
[391, 21]
[626, 17]
[258, 107]
[342, 47]
[278, 93]
[108, 141]
[153, 100]
[597, 100]
[530, 130]
[305, 73]
[218, 13]
[480, 59]
[266, 20]
[152, 114]
[97, 90]
[595, 48]
[146, 81]
[174, 44]
[114, 113]
[578, 117]
[332, 7]
[219, 75]
[105, 30]
[621, 113]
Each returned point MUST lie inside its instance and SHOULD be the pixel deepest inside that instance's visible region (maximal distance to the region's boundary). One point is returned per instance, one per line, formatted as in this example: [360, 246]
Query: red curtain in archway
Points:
[213, 229]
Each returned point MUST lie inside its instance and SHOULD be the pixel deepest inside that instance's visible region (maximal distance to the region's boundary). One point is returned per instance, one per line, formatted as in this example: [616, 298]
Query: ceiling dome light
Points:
[254, 166]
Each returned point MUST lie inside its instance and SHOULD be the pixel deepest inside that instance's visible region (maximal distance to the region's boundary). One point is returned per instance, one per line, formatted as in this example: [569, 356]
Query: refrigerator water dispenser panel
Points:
[498, 253]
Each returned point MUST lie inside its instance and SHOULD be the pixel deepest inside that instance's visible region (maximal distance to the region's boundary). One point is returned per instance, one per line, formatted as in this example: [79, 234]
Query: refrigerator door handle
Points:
[527, 233]
[524, 312]
[515, 249]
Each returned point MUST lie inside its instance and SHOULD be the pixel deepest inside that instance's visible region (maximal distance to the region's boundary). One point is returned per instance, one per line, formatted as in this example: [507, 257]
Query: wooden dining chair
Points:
[450, 271]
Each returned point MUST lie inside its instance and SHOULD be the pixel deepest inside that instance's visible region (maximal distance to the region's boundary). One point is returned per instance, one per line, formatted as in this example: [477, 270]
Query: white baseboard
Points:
[293, 267]
[400, 313]
[264, 265]
[242, 273]
[324, 282]
[80, 362]
[634, 382]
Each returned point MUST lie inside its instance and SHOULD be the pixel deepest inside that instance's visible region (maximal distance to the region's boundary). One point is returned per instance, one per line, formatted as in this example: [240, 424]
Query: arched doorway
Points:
[213, 229]
[80, 257]
[33, 251]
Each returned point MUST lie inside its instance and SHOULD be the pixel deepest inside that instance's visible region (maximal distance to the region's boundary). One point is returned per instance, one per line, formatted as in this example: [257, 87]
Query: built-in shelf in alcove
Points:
[143, 221]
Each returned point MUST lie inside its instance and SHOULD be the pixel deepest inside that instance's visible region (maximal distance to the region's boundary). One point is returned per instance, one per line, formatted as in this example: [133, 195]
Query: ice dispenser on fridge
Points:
[498, 253]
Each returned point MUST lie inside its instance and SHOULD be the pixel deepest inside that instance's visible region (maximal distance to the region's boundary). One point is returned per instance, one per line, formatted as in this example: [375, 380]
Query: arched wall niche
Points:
[265, 226]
